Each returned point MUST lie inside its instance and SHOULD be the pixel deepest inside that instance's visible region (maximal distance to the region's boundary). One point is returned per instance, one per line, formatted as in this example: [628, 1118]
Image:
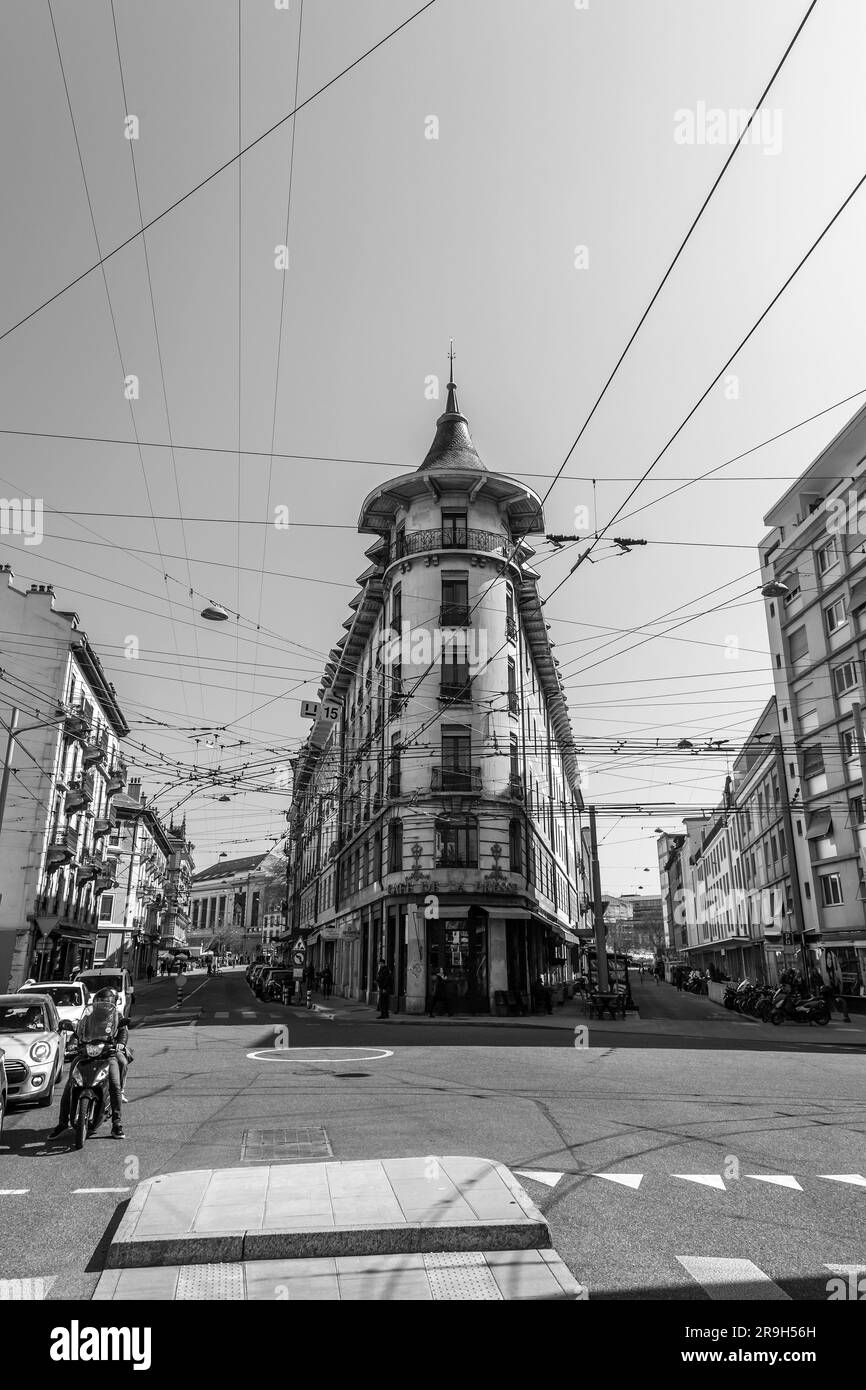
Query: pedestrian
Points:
[439, 993]
[831, 998]
[327, 982]
[150, 974]
[311, 978]
[385, 984]
[678, 978]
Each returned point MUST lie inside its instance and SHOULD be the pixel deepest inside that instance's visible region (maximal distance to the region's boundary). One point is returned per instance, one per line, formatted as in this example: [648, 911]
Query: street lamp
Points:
[214, 612]
[774, 589]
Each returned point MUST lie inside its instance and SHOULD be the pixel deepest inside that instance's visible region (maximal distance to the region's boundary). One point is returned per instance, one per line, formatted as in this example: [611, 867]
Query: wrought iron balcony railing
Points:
[460, 538]
[453, 779]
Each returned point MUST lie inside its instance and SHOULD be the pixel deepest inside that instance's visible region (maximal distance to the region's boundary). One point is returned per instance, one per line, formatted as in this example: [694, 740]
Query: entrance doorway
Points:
[459, 947]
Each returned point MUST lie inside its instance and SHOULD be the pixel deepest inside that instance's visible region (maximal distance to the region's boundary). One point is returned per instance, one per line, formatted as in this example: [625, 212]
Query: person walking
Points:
[439, 993]
[150, 974]
[385, 984]
[327, 982]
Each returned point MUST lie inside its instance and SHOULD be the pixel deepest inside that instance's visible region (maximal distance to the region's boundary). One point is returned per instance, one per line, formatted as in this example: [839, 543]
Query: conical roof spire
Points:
[452, 445]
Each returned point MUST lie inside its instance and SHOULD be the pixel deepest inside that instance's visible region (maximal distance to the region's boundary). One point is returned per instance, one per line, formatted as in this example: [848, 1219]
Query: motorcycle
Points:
[787, 1009]
[90, 1102]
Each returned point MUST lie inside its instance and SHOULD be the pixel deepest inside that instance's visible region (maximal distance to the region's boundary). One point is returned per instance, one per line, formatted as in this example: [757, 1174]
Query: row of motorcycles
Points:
[776, 1003]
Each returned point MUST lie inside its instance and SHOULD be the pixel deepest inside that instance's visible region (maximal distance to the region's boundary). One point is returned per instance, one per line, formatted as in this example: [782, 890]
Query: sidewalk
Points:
[406, 1228]
[565, 1017]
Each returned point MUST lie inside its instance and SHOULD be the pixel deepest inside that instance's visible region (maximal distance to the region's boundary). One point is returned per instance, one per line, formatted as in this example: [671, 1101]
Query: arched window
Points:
[457, 842]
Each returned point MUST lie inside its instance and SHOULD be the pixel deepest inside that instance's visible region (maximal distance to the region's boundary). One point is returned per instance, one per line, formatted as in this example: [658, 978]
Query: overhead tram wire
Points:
[699, 402]
[159, 358]
[111, 313]
[220, 170]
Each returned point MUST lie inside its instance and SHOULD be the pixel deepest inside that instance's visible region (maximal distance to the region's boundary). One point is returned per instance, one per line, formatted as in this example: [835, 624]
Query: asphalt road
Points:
[731, 1116]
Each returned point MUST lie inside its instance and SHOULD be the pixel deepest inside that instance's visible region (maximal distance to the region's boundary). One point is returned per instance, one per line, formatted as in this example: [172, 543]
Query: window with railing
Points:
[513, 702]
[454, 611]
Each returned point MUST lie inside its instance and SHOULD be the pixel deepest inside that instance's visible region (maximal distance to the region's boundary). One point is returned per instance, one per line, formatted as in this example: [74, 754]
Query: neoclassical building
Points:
[436, 817]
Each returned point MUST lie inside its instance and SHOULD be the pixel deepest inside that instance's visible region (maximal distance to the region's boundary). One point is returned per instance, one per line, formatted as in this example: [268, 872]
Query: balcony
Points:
[459, 538]
[454, 615]
[511, 629]
[396, 703]
[456, 779]
[513, 702]
[394, 784]
[96, 750]
[456, 683]
[77, 723]
[62, 848]
[515, 786]
[104, 881]
[80, 794]
[116, 780]
[452, 861]
[89, 868]
[103, 825]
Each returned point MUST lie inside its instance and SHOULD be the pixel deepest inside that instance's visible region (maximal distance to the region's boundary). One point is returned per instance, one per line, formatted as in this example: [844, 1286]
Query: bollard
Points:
[309, 1005]
[179, 994]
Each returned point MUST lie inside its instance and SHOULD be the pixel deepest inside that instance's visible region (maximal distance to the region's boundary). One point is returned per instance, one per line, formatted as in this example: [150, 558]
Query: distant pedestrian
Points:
[150, 974]
[439, 993]
[678, 978]
[327, 982]
[385, 984]
[311, 978]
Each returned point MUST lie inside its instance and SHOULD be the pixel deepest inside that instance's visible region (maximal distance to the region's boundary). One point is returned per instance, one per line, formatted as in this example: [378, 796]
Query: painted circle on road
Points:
[319, 1054]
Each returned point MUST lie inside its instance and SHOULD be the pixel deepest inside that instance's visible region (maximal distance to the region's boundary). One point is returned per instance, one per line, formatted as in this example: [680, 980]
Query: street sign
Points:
[299, 955]
[309, 709]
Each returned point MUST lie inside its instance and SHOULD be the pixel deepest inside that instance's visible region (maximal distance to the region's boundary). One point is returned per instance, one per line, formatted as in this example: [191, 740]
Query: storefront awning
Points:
[510, 914]
[311, 939]
[818, 824]
[567, 936]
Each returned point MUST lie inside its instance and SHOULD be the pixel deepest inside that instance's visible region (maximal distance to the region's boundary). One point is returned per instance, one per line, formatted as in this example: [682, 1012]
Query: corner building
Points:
[437, 815]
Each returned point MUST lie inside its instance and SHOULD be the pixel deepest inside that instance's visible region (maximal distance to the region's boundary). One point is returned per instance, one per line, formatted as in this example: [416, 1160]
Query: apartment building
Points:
[436, 818]
[226, 905]
[64, 770]
[813, 566]
[130, 914]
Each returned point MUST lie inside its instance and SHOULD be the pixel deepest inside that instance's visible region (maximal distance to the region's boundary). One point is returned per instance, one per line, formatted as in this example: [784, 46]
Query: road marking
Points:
[336, 1054]
[705, 1179]
[624, 1179]
[732, 1280]
[82, 1191]
[856, 1179]
[26, 1290]
[777, 1181]
[549, 1179]
[14, 1191]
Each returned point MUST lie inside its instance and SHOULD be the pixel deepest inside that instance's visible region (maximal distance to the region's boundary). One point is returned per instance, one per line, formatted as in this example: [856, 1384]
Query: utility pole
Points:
[597, 910]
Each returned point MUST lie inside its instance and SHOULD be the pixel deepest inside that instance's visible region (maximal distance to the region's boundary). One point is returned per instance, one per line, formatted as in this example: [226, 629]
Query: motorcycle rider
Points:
[104, 1004]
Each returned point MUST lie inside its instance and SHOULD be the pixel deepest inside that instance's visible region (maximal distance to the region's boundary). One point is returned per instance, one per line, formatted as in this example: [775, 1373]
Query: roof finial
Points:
[451, 406]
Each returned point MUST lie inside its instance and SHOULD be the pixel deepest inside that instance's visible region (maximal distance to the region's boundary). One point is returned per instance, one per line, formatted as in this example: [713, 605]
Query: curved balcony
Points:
[439, 538]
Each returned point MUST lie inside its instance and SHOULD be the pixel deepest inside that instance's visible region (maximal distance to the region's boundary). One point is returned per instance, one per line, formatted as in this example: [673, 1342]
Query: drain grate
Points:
[285, 1145]
[454, 1277]
[212, 1281]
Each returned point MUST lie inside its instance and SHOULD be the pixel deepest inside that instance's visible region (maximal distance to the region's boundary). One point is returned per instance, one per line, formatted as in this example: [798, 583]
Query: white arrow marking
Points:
[706, 1180]
[549, 1179]
[732, 1280]
[624, 1179]
[856, 1179]
[778, 1181]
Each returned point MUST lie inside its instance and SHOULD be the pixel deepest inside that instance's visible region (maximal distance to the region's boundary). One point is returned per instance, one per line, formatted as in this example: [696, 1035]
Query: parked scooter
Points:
[787, 1009]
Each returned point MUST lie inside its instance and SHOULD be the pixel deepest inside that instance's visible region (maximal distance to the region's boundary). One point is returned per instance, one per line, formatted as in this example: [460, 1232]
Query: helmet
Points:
[104, 996]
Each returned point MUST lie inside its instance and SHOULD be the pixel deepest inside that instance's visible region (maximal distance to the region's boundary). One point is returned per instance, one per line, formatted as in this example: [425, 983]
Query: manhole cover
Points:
[285, 1145]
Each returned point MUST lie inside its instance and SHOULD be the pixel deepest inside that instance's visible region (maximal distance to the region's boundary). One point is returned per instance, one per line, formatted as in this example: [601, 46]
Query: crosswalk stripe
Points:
[856, 1179]
[732, 1280]
[785, 1181]
[624, 1179]
[705, 1179]
[83, 1191]
[14, 1191]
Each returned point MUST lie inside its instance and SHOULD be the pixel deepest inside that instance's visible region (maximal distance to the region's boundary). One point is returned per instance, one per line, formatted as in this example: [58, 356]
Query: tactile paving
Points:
[211, 1281]
[455, 1277]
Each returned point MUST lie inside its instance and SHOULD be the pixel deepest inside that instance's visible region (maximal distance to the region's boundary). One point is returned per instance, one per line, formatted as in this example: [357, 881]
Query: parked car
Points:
[110, 977]
[70, 999]
[4, 1090]
[260, 983]
[273, 985]
[255, 975]
[33, 1044]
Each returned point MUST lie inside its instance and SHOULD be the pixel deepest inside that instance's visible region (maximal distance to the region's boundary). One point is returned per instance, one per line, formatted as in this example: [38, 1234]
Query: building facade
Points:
[437, 815]
[813, 566]
[131, 913]
[64, 772]
[226, 906]
[176, 910]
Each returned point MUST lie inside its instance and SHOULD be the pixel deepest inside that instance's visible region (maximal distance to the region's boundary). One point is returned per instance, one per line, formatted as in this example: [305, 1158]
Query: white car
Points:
[110, 977]
[33, 1046]
[70, 1000]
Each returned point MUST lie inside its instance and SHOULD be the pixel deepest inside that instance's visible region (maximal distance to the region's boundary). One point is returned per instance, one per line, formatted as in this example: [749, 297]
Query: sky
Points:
[556, 127]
